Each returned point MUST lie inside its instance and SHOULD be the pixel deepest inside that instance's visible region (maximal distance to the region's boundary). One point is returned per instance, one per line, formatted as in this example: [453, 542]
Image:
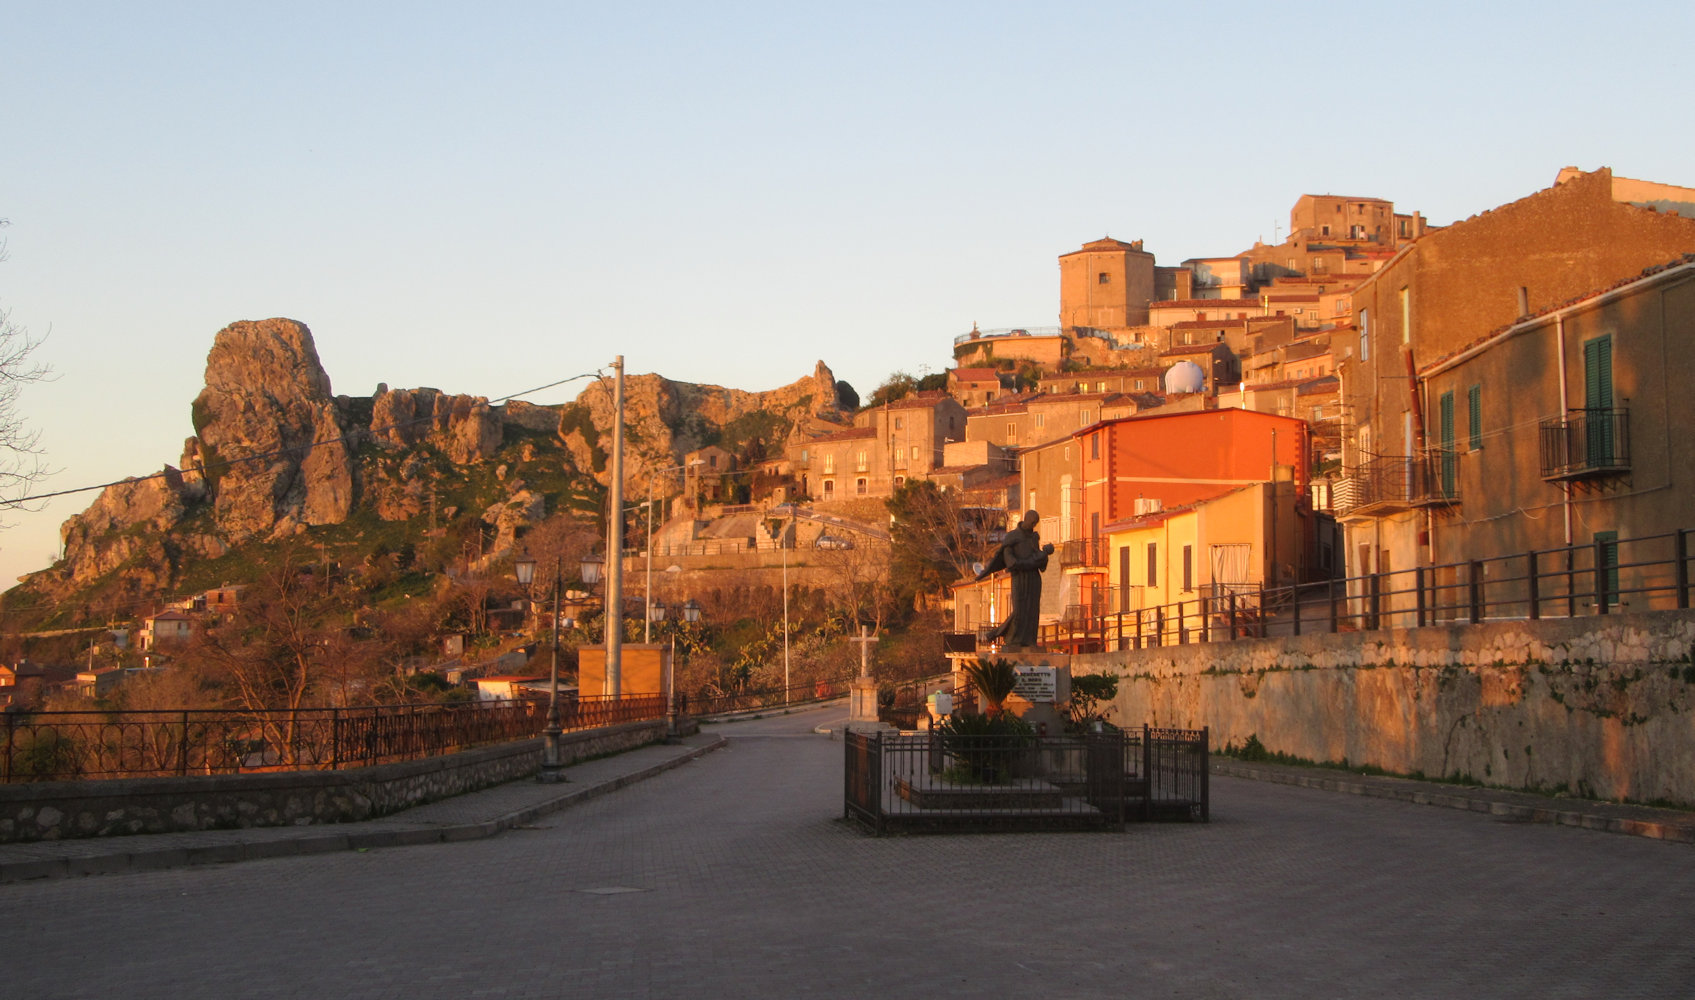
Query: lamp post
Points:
[525, 569]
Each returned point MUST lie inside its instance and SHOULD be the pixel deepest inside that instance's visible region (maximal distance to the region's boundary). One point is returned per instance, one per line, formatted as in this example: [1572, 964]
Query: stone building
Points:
[1407, 446]
[887, 445]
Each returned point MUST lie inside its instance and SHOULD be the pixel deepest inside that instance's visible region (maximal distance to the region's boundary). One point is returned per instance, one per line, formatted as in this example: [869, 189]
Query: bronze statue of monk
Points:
[1022, 554]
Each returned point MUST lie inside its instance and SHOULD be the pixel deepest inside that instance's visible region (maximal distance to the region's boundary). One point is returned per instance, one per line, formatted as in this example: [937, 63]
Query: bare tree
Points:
[20, 447]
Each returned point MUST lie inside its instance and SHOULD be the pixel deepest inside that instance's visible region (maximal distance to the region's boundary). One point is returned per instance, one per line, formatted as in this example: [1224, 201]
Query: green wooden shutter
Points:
[1474, 416]
[1448, 469]
[1598, 400]
[1607, 543]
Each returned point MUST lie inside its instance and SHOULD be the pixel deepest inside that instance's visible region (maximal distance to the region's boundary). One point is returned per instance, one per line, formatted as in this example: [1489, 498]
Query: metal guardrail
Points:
[1635, 574]
[79, 745]
[729, 702]
[938, 780]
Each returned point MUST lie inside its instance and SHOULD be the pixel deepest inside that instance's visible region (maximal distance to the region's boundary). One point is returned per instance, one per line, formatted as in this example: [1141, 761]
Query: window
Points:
[859, 486]
[1041, 419]
[829, 463]
[899, 423]
[1153, 564]
[859, 462]
[829, 489]
[1325, 230]
[1365, 334]
[1188, 567]
[1094, 446]
[1083, 419]
[1598, 395]
[1103, 278]
[1446, 411]
[900, 481]
[1011, 431]
[1606, 567]
[915, 453]
[1100, 386]
[1139, 385]
[1406, 316]
[1124, 579]
[1474, 416]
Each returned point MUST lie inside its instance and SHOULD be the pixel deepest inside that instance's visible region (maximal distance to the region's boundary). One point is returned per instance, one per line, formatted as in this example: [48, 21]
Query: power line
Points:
[293, 450]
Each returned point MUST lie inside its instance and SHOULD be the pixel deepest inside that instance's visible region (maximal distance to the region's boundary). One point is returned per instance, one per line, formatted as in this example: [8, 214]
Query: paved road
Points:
[732, 876]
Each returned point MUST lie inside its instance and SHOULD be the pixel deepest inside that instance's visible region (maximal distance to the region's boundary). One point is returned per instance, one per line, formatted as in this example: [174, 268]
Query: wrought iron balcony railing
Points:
[1392, 483]
[1585, 444]
[1083, 553]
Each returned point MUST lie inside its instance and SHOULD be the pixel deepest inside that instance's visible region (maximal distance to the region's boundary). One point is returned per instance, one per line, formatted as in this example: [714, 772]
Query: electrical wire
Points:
[262, 456]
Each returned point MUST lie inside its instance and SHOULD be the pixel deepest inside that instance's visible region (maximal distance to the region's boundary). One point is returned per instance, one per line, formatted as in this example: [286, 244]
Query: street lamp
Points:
[525, 569]
[690, 610]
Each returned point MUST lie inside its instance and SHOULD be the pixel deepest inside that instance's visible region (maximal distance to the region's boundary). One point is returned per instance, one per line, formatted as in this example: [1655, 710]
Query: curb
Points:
[1680, 830]
[323, 840]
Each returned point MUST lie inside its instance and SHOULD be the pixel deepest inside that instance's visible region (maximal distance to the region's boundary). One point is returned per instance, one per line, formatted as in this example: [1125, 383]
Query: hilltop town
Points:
[1373, 394]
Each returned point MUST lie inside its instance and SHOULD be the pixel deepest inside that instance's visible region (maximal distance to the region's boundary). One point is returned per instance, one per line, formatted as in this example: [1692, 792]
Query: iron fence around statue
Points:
[79, 745]
[901, 782]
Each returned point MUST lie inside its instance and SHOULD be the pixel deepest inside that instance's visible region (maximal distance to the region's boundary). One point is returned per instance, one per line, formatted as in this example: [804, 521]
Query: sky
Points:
[484, 201]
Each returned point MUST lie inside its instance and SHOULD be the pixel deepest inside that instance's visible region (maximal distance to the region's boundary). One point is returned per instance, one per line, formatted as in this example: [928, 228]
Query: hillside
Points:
[277, 459]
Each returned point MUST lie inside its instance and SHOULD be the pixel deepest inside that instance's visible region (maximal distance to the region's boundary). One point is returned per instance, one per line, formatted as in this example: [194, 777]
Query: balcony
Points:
[1083, 553]
[1389, 484]
[1586, 444]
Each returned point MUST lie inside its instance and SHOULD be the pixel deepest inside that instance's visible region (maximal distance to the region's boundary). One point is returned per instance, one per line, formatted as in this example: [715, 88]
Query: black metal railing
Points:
[1083, 552]
[938, 780]
[78, 745]
[1602, 577]
[1397, 482]
[1588, 442]
[715, 702]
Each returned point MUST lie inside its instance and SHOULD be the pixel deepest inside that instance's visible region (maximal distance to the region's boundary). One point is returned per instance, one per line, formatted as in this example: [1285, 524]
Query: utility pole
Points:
[615, 542]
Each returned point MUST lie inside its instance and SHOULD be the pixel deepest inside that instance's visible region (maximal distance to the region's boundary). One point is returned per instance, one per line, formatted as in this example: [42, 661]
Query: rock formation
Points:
[275, 453]
[269, 444]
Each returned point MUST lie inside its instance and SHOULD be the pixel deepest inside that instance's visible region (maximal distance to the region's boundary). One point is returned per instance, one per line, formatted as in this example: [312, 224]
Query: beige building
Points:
[975, 386]
[1036, 418]
[887, 446]
[1106, 285]
[1406, 445]
[1540, 461]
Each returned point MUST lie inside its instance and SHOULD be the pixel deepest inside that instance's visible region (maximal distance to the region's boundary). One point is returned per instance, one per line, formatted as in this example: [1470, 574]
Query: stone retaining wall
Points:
[63, 809]
[1602, 707]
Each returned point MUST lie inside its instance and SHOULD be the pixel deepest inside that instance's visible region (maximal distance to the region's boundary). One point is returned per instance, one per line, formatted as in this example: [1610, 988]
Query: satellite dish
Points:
[977, 567]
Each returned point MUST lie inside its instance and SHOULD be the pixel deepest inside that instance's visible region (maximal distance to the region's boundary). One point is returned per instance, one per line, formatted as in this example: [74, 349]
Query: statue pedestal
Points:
[862, 707]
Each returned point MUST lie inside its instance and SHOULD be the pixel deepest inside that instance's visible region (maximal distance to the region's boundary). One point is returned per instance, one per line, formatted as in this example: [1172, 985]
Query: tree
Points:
[20, 452]
[847, 397]
[931, 541]
[898, 385]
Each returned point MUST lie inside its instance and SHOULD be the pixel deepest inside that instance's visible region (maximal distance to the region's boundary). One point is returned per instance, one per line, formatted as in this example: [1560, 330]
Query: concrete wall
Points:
[56, 810]
[1597, 706]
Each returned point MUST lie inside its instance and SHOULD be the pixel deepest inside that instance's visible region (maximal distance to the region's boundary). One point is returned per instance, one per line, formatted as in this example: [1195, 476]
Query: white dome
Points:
[1185, 376]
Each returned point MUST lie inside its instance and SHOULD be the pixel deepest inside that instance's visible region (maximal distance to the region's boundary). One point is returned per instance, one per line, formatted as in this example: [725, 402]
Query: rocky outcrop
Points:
[465, 428]
[275, 452]
[120, 523]
[269, 445]
[664, 420]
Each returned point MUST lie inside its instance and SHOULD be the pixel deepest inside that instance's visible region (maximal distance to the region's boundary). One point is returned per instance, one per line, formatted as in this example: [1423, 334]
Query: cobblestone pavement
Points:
[733, 876]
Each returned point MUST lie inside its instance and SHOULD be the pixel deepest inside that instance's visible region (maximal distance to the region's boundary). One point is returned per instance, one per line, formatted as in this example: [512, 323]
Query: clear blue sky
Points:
[485, 201]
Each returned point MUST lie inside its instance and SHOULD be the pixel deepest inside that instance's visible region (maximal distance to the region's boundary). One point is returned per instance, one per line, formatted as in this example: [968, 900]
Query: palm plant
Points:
[994, 680]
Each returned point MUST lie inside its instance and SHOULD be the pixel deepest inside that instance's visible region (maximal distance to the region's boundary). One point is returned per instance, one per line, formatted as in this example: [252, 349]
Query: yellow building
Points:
[1170, 570]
